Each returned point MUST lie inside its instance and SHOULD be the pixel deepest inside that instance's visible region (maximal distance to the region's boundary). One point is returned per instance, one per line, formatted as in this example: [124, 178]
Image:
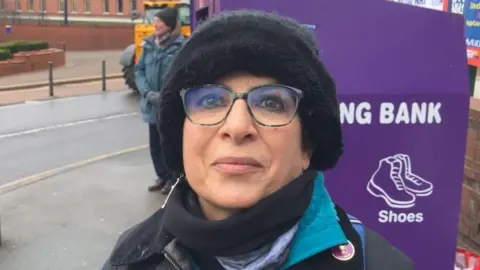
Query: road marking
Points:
[71, 124]
[15, 105]
[32, 101]
[47, 174]
[57, 99]
[70, 85]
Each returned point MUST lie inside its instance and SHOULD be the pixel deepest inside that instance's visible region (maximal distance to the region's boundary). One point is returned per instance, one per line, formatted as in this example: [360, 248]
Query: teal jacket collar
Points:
[318, 229]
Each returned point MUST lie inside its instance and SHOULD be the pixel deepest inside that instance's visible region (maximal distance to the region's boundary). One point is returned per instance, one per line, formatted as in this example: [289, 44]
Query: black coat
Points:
[147, 246]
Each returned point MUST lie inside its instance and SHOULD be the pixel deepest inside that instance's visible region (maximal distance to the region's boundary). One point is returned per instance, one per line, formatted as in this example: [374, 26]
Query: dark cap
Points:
[169, 16]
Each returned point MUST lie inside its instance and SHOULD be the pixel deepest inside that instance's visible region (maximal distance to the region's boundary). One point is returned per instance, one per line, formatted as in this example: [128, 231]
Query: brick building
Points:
[110, 11]
[92, 24]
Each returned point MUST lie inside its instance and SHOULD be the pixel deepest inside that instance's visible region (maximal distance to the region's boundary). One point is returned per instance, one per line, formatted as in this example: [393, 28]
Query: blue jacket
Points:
[150, 71]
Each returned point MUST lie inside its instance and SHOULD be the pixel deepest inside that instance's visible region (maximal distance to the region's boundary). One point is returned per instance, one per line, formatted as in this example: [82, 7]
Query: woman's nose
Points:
[239, 125]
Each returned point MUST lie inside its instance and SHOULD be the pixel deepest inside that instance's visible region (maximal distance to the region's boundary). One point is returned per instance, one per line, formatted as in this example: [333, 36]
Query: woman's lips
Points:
[237, 165]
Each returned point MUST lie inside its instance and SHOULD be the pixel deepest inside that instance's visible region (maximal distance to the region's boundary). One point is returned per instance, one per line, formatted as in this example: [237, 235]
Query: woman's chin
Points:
[236, 201]
[232, 193]
[238, 205]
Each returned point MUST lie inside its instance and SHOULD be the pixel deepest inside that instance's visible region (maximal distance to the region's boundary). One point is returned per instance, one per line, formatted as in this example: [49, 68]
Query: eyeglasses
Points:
[268, 105]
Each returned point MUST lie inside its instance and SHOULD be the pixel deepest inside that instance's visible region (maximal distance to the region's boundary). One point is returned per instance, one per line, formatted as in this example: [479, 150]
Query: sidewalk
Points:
[18, 96]
[72, 220]
[78, 64]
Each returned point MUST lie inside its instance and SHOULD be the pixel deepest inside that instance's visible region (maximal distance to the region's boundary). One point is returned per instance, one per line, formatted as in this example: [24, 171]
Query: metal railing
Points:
[18, 17]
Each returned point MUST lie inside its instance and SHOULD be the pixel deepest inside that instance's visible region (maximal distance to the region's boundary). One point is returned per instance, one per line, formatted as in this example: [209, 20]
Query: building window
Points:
[106, 6]
[42, 5]
[86, 6]
[74, 6]
[133, 5]
[18, 5]
[61, 5]
[119, 6]
[30, 5]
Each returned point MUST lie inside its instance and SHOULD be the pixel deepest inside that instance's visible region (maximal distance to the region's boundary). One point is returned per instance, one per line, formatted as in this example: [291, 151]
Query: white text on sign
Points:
[389, 216]
[391, 113]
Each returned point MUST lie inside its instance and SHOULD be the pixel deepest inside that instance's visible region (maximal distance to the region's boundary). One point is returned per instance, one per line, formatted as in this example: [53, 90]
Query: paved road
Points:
[72, 220]
[40, 136]
[78, 64]
[68, 90]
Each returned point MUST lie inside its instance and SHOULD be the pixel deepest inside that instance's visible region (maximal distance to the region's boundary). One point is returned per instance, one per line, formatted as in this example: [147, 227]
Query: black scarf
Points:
[243, 232]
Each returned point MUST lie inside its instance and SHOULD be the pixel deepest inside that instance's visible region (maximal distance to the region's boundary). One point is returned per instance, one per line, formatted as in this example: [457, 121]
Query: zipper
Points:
[171, 260]
[171, 190]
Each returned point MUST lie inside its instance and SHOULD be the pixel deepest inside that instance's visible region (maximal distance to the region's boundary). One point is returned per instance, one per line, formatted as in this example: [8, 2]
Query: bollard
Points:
[50, 77]
[104, 75]
[0, 233]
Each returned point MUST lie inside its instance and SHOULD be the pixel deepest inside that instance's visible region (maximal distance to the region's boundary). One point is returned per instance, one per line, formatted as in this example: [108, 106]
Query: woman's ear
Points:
[306, 157]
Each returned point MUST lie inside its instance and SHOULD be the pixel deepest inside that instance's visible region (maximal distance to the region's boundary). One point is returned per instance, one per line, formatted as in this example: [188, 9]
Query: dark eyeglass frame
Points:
[244, 96]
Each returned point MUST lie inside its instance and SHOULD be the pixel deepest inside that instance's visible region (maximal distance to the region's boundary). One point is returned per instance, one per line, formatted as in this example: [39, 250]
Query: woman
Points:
[158, 51]
[249, 115]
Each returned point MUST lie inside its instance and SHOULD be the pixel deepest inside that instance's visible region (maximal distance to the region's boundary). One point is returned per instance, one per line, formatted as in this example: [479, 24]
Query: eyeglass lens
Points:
[271, 105]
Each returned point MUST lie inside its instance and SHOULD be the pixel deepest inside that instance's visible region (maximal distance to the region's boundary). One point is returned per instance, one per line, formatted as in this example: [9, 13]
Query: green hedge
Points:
[5, 54]
[23, 46]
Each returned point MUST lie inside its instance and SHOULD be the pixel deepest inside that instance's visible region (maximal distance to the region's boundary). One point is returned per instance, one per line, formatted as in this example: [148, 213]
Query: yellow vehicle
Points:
[144, 27]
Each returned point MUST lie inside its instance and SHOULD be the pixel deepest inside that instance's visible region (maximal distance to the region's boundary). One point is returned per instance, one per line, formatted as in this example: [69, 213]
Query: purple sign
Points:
[404, 92]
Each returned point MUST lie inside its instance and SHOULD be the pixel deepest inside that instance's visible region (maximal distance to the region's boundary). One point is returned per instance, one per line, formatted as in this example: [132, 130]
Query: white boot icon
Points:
[387, 183]
[414, 183]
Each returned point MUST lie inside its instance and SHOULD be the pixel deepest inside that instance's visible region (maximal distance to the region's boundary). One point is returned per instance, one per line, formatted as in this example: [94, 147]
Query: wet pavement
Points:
[68, 90]
[36, 137]
[65, 110]
[78, 64]
[71, 221]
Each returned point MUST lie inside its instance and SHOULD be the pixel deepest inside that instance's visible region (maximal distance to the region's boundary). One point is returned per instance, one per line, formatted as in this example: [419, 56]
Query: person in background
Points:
[159, 50]
[249, 116]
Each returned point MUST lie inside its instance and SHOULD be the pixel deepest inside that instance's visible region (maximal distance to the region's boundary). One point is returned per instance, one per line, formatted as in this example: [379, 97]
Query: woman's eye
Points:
[212, 102]
[272, 104]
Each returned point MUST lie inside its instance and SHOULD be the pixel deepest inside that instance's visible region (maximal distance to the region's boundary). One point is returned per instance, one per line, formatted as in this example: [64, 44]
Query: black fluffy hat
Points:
[262, 44]
[169, 16]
